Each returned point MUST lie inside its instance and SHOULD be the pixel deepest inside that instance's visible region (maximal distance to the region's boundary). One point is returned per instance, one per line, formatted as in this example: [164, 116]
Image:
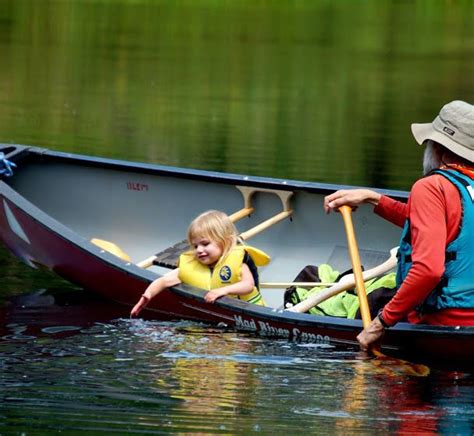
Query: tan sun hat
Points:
[453, 128]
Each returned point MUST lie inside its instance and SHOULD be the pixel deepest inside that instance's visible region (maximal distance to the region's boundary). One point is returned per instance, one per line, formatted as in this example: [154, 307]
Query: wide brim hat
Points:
[453, 128]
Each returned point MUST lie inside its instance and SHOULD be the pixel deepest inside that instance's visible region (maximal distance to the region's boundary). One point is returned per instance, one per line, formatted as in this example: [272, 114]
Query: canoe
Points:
[55, 204]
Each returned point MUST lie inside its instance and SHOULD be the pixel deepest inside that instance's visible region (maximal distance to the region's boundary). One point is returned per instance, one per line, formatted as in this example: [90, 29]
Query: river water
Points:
[310, 90]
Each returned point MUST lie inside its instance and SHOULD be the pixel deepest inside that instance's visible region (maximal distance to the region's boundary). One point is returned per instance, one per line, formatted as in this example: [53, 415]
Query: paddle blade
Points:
[111, 248]
[402, 366]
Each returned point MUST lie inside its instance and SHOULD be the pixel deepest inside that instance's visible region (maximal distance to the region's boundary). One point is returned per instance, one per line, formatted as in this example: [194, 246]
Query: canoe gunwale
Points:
[203, 175]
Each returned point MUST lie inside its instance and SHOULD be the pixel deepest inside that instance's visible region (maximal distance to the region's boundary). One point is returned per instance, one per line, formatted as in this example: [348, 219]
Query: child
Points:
[216, 263]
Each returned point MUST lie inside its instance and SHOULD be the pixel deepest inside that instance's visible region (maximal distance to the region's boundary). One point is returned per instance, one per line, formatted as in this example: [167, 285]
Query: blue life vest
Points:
[456, 287]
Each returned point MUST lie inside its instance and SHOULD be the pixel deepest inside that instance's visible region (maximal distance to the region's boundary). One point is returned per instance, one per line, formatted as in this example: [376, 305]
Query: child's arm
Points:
[155, 287]
[243, 287]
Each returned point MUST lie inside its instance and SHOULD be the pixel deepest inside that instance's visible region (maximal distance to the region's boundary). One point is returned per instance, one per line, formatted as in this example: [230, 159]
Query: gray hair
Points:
[431, 157]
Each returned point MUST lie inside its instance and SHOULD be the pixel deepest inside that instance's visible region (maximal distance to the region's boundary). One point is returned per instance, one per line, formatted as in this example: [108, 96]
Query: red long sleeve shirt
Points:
[434, 209]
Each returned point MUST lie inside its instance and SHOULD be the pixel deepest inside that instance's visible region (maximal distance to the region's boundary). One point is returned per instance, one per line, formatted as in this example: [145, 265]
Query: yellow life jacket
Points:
[226, 271]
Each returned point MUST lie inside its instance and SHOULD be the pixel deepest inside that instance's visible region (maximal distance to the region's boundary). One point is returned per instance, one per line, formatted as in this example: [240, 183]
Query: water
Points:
[311, 90]
[69, 368]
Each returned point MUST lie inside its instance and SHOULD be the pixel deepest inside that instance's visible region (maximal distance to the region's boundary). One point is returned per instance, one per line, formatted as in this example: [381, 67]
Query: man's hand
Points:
[350, 197]
[371, 334]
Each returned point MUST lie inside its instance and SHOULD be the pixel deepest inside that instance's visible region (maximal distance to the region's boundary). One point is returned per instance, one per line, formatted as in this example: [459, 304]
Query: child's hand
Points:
[144, 300]
[213, 295]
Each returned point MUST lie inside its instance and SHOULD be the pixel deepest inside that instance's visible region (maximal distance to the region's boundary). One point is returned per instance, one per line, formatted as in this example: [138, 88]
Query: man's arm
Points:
[428, 226]
[392, 210]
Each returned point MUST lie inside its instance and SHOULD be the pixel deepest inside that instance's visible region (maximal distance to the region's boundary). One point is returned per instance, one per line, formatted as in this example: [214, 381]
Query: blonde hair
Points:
[217, 227]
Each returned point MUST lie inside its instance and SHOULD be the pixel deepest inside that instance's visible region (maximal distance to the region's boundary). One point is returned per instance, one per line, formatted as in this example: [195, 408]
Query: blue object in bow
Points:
[6, 167]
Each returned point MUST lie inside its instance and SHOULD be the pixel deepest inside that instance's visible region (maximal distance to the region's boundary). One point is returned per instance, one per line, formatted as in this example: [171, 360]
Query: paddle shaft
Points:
[346, 213]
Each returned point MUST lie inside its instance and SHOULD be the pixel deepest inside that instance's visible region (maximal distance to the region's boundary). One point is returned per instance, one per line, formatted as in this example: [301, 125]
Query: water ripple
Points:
[191, 378]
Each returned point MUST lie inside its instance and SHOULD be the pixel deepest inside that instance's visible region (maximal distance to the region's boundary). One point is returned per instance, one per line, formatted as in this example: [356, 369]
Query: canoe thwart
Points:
[242, 213]
[265, 224]
[248, 191]
[285, 198]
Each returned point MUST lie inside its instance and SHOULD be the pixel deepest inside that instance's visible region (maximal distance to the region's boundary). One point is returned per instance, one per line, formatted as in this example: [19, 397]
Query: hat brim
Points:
[425, 131]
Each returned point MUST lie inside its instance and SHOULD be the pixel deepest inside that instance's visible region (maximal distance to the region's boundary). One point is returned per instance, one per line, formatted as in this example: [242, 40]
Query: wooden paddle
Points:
[410, 368]
[111, 248]
[346, 213]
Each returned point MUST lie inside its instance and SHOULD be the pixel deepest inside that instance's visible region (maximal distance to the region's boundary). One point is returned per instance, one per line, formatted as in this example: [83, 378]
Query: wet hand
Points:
[143, 302]
[372, 333]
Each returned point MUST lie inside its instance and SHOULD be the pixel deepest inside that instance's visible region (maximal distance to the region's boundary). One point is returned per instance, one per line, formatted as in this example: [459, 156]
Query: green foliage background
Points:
[314, 90]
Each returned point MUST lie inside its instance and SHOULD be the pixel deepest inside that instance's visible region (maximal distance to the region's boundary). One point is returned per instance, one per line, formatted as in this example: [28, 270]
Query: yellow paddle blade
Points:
[258, 256]
[402, 366]
[111, 248]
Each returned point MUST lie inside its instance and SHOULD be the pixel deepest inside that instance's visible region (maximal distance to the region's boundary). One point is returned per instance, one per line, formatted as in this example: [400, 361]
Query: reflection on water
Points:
[69, 363]
[309, 90]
